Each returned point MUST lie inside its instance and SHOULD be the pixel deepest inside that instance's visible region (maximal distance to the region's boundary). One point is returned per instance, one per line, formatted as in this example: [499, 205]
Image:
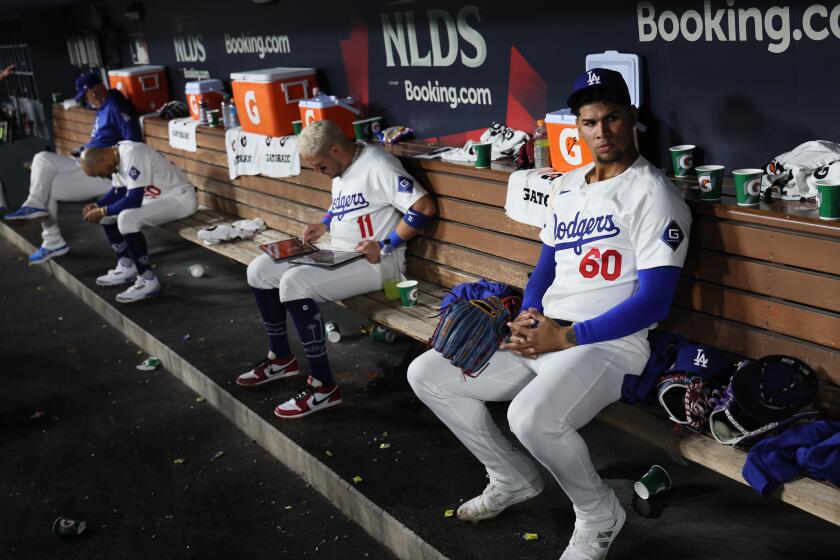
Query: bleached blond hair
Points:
[318, 136]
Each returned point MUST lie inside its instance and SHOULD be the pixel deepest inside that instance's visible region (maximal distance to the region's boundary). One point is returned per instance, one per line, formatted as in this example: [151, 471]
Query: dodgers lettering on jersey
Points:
[604, 232]
[369, 198]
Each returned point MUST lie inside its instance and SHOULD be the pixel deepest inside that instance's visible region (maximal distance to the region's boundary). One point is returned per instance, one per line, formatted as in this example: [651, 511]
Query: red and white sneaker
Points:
[270, 369]
[312, 398]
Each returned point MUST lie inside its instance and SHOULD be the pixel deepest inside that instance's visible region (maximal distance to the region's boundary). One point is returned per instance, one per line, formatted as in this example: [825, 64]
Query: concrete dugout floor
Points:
[425, 470]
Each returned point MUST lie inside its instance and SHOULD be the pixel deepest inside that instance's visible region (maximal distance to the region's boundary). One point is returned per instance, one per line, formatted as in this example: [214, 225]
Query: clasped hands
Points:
[92, 213]
[532, 334]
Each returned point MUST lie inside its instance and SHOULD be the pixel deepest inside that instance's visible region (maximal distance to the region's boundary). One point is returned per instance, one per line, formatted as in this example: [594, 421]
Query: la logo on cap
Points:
[594, 79]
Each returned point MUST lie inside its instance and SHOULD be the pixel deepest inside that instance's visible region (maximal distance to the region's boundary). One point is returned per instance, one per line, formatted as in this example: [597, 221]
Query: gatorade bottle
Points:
[390, 270]
[542, 156]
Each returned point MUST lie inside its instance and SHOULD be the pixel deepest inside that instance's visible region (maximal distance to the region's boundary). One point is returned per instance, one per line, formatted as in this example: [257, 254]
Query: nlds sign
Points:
[457, 34]
[189, 48]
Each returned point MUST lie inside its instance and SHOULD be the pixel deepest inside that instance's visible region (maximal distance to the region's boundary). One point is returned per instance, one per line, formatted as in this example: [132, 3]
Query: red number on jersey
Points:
[607, 264]
[365, 226]
[152, 191]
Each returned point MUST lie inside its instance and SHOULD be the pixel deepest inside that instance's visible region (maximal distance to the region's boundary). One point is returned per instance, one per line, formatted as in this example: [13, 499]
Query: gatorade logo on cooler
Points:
[194, 104]
[570, 146]
[309, 117]
[251, 107]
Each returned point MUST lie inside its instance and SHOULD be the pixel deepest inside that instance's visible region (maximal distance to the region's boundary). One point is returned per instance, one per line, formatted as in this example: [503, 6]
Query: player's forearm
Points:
[133, 199]
[540, 279]
[111, 196]
[650, 304]
[418, 217]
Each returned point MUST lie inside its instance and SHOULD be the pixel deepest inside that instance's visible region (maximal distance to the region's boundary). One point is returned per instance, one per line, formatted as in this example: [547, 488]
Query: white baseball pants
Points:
[320, 284]
[551, 398]
[57, 178]
[175, 205]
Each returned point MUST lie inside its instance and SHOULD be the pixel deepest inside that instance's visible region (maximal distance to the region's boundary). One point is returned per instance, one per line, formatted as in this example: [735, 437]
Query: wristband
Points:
[103, 210]
[395, 240]
[327, 219]
[416, 219]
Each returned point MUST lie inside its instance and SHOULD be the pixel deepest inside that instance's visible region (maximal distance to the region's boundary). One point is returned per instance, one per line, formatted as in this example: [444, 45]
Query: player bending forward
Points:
[373, 199]
[148, 191]
[614, 242]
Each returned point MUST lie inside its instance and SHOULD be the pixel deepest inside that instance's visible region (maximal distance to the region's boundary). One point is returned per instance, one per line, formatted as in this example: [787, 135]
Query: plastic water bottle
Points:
[390, 270]
[542, 155]
[234, 117]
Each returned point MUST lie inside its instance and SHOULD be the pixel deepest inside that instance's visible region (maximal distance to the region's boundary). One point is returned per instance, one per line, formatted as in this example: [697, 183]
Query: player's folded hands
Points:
[532, 334]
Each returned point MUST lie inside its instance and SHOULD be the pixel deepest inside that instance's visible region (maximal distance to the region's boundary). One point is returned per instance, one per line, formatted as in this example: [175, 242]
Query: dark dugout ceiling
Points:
[11, 7]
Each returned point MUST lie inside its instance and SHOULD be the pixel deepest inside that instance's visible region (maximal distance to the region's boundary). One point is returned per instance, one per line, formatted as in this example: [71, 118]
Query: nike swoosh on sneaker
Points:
[316, 402]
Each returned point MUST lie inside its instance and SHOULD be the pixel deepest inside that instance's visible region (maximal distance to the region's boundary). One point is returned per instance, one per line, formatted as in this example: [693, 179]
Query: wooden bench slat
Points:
[785, 318]
[437, 273]
[814, 497]
[808, 288]
[454, 210]
[473, 262]
[500, 245]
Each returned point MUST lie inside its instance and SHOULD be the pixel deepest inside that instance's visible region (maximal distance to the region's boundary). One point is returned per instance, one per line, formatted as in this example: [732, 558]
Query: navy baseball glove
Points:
[470, 331]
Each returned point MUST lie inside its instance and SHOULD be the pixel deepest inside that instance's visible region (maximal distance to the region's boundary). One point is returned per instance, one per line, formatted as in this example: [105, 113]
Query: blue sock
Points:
[274, 318]
[117, 240]
[310, 328]
[136, 243]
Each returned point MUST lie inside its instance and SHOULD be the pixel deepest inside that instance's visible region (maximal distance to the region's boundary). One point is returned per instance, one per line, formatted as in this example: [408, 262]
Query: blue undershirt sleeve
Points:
[650, 304]
[111, 196]
[540, 279]
[133, 199]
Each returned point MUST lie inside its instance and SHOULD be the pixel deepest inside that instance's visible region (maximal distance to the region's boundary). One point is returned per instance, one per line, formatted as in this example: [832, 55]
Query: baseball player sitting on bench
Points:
[57, 178]
[373, 199]
[614, 242]
[148, 191]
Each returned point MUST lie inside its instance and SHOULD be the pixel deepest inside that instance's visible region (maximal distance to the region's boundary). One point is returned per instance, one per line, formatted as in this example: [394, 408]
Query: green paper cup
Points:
[828, 196]
[362, 130]
[482, 154]
[375, 125]
[382, 334]
[297, 126]
[710, 181]
[408, 292]
[748, 186]
[682, 157]
[655, 481]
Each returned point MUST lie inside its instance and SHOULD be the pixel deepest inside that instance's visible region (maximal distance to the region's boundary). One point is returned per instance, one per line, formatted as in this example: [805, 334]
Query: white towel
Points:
[527, 195]
[256, 154]
[182, 134]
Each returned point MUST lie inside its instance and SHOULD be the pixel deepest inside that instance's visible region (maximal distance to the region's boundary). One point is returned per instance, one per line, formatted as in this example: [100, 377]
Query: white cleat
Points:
[118, 276]
[142, 289]
[494, 501]
[592, 542]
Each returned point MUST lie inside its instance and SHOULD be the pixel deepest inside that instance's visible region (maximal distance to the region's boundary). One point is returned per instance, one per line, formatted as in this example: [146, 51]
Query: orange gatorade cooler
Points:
[267, 100]
[211, 91]
[144, 86]
[330, 108]
[568, 151]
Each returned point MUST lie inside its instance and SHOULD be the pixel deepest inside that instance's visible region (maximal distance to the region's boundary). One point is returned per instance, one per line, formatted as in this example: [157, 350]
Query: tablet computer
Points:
[287, 249]
[327, 258]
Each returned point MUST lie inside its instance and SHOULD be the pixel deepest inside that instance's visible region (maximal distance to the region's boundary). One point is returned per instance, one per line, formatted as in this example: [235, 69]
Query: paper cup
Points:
[710, 181]
[748, 186]
[828, 196]
[332, 331]
[408, 293]
[362, 130]
[297, 126]
[655, 481]
[682, 157]
[482, 154]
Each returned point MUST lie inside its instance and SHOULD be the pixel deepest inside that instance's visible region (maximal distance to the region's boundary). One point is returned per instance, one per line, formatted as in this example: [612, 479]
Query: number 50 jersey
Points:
[368, 197]
[604, 232]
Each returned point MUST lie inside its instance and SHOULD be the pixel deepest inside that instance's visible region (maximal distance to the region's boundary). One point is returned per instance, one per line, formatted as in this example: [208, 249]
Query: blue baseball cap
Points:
[86, 81]
[703, 361]
[598, 78]
[774, 388]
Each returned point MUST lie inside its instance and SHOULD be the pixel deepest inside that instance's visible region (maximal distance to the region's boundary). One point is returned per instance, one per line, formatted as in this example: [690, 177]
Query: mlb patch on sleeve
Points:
[405, 184]
[134, 173]
[673, 235]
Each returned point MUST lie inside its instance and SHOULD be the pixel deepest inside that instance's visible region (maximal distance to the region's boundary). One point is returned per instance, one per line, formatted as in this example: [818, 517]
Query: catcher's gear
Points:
[470, 331]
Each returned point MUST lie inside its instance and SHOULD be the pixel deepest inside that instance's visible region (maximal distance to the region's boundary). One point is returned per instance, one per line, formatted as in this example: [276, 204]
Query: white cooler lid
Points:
[271, 74]
[204, 86]
[135, 70]
[563, 116]
[625, 63]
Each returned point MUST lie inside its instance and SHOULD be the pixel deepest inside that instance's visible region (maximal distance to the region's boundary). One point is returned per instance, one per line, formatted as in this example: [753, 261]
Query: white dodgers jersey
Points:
[141, 166]
[368, 197]
[604, 232]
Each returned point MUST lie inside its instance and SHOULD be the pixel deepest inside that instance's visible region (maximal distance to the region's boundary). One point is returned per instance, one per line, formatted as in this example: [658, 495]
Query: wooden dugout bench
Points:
[757, 281]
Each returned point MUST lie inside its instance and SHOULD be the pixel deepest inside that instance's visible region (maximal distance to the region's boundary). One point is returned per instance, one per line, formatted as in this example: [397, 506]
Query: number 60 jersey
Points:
[367, 199]
[604, 232]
